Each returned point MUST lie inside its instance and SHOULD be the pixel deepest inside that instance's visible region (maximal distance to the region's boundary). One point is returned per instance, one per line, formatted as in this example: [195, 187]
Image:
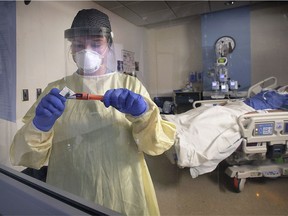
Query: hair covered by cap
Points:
[89, 22]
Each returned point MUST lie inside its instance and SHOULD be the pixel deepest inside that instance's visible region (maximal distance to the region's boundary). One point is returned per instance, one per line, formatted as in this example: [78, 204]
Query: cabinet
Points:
[184, 100]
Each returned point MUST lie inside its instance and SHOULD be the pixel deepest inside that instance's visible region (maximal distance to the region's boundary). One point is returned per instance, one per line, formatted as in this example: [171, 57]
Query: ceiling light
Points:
[228, 3]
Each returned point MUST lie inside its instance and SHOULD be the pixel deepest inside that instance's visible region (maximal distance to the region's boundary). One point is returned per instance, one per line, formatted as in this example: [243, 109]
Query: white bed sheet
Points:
[207, 135]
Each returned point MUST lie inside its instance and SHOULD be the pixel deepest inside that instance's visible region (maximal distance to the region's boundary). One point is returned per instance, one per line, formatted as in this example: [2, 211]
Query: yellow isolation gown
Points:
[97, 152]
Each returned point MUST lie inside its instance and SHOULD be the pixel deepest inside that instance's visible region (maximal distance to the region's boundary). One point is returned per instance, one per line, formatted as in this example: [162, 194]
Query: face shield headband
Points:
[84, 31]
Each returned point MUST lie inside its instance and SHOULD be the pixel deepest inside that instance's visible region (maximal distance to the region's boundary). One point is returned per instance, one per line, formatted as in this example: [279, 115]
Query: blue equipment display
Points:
[262, 129]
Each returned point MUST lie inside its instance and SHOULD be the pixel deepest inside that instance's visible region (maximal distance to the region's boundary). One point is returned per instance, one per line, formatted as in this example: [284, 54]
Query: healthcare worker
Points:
[95, 149]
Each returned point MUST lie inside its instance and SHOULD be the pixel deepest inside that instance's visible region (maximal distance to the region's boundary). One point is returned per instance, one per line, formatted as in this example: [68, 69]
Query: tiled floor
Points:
[213, 194]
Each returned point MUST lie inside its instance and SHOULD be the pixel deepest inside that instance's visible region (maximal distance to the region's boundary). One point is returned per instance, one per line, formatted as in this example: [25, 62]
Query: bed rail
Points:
[269, 83]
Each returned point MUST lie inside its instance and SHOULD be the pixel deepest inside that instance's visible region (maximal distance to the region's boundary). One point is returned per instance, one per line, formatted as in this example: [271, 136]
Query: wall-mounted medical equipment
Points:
[194, 82]
[224, 45]
[221, 83]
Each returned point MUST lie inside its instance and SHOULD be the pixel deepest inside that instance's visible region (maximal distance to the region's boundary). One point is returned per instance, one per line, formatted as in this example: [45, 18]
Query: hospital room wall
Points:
[175, 49]
[269, 46]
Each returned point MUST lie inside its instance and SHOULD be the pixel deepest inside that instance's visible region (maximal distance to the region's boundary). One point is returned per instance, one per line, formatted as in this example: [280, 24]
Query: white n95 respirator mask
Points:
[88, 60]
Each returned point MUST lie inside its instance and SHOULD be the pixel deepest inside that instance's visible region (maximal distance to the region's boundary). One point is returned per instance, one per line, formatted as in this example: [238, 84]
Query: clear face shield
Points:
[90, 54]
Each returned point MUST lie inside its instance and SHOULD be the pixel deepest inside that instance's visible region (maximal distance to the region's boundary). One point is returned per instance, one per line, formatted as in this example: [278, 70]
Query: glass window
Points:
[107, 141]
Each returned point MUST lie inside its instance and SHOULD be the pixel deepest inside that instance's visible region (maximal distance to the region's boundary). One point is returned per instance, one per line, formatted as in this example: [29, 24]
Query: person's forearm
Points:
[31, 147]
[152, 134]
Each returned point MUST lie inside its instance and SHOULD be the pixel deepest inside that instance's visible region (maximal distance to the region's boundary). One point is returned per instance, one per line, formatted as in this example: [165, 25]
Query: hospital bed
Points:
[262, 150]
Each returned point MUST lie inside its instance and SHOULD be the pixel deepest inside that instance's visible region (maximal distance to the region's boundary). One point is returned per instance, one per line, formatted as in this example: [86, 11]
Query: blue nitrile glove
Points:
[267, 100]
[125, 101]
[49, 110]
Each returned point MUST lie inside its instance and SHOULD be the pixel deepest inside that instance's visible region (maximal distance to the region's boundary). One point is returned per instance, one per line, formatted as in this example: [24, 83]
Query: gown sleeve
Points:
[32, 147]
[152, 134]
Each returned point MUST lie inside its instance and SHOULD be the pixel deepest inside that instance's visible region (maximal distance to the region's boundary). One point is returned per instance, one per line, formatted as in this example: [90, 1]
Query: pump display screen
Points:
[221, 60]
[262, 129]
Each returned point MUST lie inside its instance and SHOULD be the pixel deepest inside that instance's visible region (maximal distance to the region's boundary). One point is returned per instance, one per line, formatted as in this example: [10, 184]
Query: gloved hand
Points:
[267, 100]
[49, 110]
[125, 101]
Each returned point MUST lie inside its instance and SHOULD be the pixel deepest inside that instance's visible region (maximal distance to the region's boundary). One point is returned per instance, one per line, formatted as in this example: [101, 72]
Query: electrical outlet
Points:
[25, 95]
[38, 92]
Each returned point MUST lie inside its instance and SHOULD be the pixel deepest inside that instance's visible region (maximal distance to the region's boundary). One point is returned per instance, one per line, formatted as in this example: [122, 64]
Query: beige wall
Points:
[174, 50]
[269, 53]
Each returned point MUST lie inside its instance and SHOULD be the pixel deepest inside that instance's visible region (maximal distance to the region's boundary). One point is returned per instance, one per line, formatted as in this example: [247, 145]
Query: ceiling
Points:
[147, 13]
